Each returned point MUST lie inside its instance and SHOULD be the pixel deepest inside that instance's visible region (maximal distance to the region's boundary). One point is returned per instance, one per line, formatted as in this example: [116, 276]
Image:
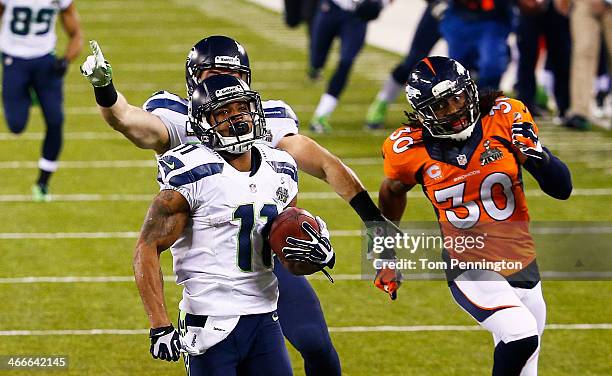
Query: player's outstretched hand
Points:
[526, 141]
[388, 280]
[318, 250]
[97, 70]
[165, 344]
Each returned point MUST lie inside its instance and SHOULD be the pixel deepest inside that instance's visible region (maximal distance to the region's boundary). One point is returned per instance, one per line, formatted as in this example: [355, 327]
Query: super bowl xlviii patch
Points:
[462, 159]
[282, 194]
[490, 154]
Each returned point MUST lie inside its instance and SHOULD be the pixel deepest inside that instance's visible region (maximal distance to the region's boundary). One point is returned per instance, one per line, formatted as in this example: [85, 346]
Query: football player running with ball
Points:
[216, 199]
[162, 124]
[467, 153]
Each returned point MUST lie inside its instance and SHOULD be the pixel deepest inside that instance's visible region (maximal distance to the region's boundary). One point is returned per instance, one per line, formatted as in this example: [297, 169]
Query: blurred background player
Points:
[467, 152]
[539, 20]
[27, 42]
[348, 20]
[589, 20]
[425, 37]
[298, 11]
[476, 32]
[228, 321]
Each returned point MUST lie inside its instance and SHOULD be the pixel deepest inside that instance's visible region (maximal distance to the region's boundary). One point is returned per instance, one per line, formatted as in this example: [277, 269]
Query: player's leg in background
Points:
[352, 38]
[527, 40]
[16, 98]
[425, 37]
[48, 85]
[493, 53]
[268, 354]
[304, 325]
[328, 24]
[586, 39]
[325, 26]
[495, 305]
[559, 40]
[460, 37]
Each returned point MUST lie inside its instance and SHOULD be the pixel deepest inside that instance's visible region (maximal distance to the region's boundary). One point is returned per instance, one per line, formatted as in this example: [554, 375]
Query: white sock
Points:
[327, 105]
[390, 90]
[47, 165]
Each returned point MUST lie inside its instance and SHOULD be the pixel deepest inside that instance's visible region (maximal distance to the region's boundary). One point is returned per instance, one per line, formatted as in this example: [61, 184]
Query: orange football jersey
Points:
[474, 186]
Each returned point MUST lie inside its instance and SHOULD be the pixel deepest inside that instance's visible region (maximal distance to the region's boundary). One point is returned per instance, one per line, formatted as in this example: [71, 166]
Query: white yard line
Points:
[315, 277]
[94, 197]
[134, 163]
[83, 164]
[333, 329]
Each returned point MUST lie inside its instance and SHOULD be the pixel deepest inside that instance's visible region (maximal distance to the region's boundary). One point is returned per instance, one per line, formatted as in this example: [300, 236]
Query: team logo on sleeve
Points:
[490, 154]
[169, 163]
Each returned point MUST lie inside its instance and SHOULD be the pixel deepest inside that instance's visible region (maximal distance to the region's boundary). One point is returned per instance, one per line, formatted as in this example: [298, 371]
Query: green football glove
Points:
[97, 70]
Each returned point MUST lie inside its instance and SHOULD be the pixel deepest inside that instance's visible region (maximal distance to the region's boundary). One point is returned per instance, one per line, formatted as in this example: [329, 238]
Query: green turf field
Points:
[106, 184]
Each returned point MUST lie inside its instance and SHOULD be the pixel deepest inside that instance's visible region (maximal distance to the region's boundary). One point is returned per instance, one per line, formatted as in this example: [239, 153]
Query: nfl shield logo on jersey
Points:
[462, 159]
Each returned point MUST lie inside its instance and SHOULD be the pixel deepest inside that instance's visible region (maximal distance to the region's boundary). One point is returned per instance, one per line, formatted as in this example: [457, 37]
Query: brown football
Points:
[289, 224]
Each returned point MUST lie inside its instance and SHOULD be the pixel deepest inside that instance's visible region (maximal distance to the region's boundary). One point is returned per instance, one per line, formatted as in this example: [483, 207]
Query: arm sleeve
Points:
[397, 166]
[554, 178]
[281, 120]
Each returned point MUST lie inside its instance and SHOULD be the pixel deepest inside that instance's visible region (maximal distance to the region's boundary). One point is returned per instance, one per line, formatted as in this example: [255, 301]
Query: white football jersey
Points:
[28, 27]
[219, 258]
[172, 110]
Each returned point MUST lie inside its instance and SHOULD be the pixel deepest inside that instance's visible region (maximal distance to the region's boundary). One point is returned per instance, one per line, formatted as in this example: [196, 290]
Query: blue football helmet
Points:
[216, 51]
[243, 128]
[437, 85]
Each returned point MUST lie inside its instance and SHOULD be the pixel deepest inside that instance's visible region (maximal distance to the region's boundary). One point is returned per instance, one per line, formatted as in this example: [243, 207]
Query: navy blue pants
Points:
[556, 30]
[425, 37]
[479, 44]
[330, 22]
[304, 325]
[255, 347]
[21, 75]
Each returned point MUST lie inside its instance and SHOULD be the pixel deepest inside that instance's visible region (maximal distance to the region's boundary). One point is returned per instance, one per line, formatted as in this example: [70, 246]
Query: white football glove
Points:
[165, 343]
[97, 70]
[525, 139]
[318, 250]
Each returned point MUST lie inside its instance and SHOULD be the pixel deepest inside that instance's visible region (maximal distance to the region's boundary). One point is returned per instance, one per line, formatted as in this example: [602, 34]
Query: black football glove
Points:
[60, 66]
[318, 250]
[165, 344]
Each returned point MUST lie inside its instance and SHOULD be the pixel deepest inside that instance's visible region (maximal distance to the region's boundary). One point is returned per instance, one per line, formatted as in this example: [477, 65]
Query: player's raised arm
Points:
[165, 221]
[144, 129]
[552, 175]
[317, 161]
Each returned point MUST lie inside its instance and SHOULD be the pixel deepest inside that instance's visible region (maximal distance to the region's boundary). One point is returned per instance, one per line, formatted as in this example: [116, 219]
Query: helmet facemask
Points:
[234, 134]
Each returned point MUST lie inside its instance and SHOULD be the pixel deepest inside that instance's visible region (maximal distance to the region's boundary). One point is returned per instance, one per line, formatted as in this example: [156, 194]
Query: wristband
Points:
[365, 208]
[106, 96]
